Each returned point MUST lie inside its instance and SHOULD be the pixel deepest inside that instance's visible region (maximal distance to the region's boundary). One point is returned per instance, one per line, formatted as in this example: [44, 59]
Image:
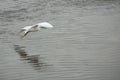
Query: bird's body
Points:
[24, 31]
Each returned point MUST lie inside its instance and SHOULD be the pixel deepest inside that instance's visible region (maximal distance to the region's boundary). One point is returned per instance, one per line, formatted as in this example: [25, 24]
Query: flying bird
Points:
[43, 25]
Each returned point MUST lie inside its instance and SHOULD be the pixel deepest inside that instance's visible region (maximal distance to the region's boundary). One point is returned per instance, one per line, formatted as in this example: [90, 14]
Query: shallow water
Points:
[83, 45]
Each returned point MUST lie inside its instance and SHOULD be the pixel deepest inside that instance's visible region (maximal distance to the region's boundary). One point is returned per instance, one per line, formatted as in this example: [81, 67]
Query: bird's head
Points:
[24, 31]
[22, 34]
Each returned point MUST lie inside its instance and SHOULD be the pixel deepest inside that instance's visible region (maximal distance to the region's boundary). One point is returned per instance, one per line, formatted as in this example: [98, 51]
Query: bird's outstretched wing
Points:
[43, 27]
[35, 26]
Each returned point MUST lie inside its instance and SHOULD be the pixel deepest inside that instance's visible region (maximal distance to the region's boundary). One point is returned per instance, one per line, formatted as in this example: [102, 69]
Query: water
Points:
[83, 45]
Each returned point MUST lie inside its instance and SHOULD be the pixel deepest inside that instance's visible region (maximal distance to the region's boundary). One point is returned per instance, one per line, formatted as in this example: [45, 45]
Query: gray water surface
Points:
[83, 45]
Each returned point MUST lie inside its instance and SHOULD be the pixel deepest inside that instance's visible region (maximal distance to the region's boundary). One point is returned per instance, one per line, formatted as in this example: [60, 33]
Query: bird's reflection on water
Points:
[33, 60]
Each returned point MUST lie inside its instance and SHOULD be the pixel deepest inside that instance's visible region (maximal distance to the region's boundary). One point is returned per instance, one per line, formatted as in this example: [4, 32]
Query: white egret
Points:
[24, 31]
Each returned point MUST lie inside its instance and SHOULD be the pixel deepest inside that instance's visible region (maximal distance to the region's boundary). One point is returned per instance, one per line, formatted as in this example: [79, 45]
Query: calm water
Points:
[83, 45]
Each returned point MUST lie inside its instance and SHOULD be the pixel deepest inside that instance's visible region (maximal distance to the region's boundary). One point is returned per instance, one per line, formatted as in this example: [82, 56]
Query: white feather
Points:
[36, 27]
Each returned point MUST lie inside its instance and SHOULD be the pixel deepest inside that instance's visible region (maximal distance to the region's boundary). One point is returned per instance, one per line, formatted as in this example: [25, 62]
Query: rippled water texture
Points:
[83, 45]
